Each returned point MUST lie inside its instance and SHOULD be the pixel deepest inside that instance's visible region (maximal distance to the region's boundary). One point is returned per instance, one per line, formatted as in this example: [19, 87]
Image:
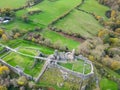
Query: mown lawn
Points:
[79, 22]
[94, 7]
[55, 37]
[12, 3]
[106, 84]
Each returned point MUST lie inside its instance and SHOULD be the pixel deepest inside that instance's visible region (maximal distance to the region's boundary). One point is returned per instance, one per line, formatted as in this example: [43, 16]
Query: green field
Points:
[77, 66]
[50, 10]
[55, 37]
[94, 7]
[19, 42]
[79, 22]
[12, 3]
[106, 84]
[24, 62]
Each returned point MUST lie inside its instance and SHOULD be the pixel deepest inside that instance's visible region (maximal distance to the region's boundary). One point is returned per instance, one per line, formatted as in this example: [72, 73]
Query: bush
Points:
[4, 70]
[47, 42]
[22, 81]
[1, 32]
[3, 88]
[4, 37]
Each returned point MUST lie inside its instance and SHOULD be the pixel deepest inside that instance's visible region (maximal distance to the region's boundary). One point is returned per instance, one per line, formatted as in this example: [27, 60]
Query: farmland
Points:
[55, 37]
[84, 24]
[12, 4]
[95, 7]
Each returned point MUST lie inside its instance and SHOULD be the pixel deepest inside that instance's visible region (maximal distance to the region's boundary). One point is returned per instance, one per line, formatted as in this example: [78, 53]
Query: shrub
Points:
[4, 37]
[22, 81]
[1, 32]
[25, 18]
[47, 42]
[90, 57]
[3, 88]
[16, 35]
[4, 70]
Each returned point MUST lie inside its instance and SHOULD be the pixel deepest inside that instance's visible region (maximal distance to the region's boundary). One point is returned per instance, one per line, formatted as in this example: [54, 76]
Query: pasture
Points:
[50, 10]
[107, 84]
[55, 37]
[79, 22]
[94, 7]
[12, 3]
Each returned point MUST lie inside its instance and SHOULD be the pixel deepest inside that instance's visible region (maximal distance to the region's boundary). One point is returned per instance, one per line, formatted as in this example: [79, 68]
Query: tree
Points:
[115, 65]
[4, 37]
[22, 81]
[4, 70]
[1, 32]
[16, 35]
[25, 18]
[107, 61]
[113, 14]
[47, 42]
[57, 44]
[3, 88]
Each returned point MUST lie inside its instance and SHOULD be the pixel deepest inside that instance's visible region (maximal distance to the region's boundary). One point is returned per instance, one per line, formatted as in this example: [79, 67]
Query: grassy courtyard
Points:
[77, 66]
[24, 61]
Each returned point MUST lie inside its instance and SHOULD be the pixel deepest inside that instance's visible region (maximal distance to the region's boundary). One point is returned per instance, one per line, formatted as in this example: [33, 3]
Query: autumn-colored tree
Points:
[114, 41]
[22, 81]
[4, 37]
[47, 42]
[1, 32]
[4, 69]
[113, 13]
[101, 33]
[3, 88]
[16, 35]
[25, 18]
[115, 65]
[57, 44]
[117, 30]
[107, 61]
[90, 57]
